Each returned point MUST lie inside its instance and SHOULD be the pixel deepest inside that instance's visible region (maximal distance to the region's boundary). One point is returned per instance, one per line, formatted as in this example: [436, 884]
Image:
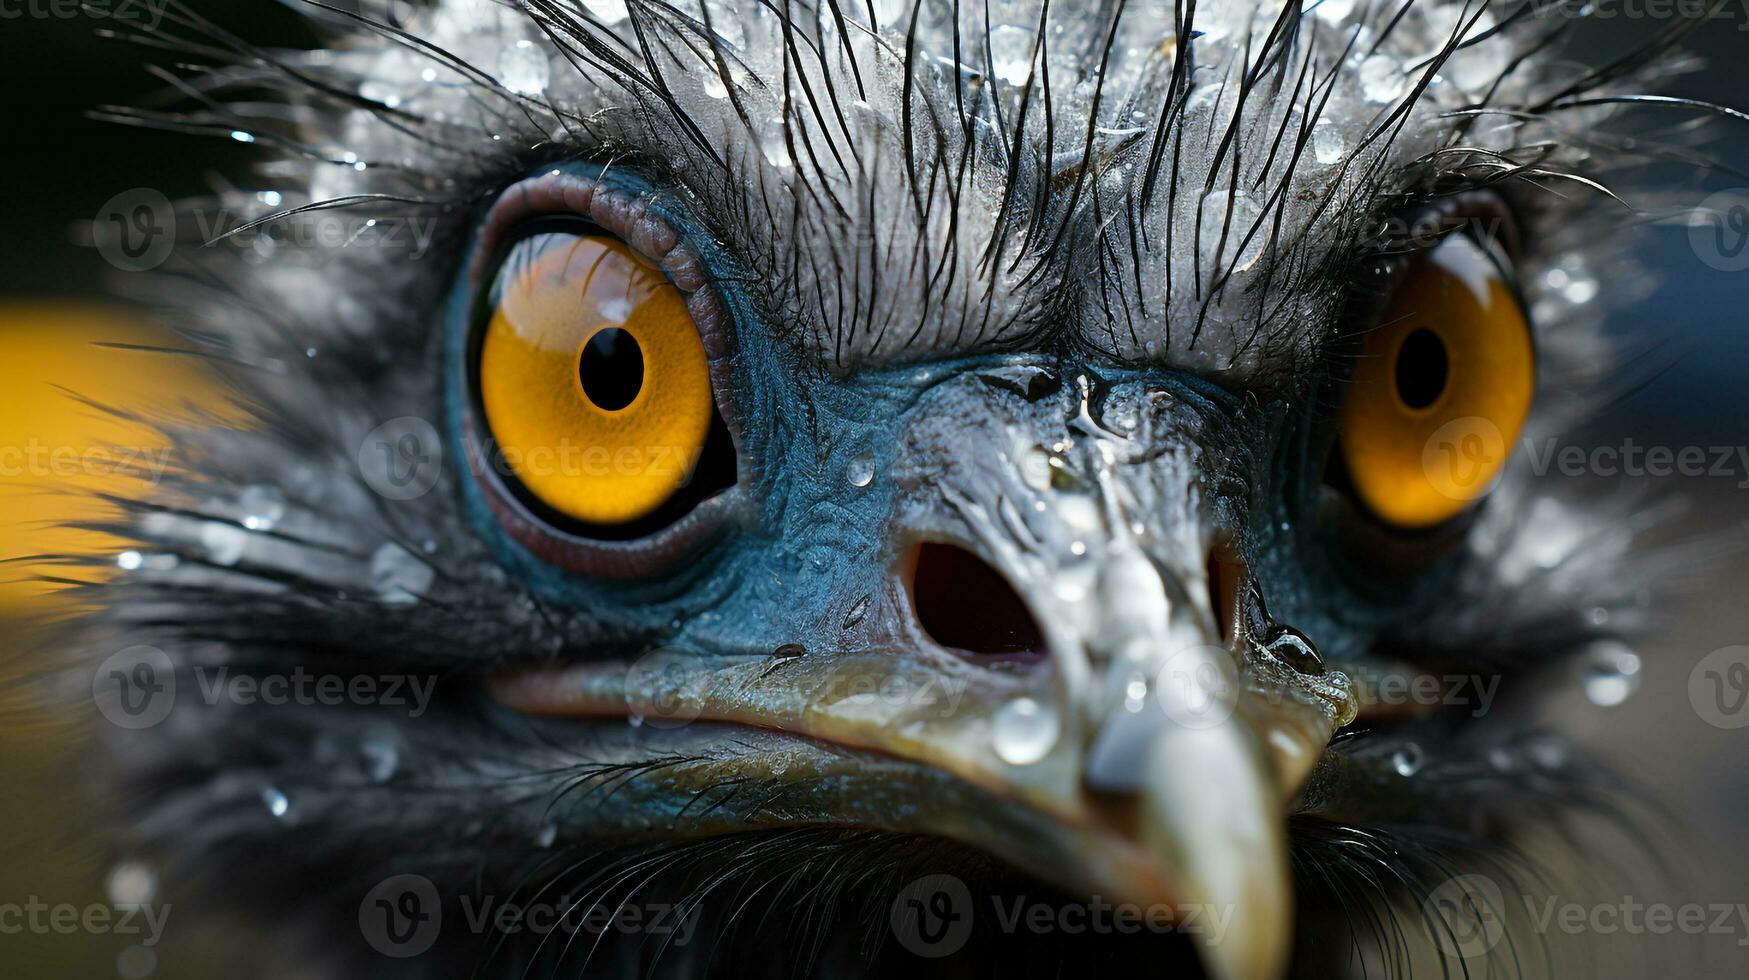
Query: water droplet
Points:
[1381, 78]
[547, 835]
[774, 144]
[1548, 751]
[381, 758]
[862, 469]
[1024, 731]
[262, 507]
[615, 309]
[522, 68]
[1333, 11]
[1407, 760]
[1238, 218]
[380, 91]
[277, 803]
[1135, 694]
[1612, 673]
[1581, 290]
[858, 609]
[1328, 145]
[397, 576]
[1011, 48]
[1035, 467]
[607, 11]
[129, 561]
[1293, 648]
[224, 543]
[131, 883]
[136, 963]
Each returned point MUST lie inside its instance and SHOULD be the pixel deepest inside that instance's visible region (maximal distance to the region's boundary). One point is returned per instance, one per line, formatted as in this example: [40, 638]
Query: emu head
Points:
[808, 448]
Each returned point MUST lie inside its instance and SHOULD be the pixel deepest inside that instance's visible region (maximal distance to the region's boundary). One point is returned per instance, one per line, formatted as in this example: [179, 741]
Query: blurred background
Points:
[62, 167]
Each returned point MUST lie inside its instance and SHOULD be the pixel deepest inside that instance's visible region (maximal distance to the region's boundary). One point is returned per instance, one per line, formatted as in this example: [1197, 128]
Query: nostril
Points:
[963, 603]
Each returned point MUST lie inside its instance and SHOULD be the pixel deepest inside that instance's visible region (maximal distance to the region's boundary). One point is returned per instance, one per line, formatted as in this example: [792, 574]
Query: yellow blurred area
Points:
[60, 444]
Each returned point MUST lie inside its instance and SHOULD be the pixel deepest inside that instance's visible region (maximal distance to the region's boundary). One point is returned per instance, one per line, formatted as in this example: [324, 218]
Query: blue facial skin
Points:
[814, 544]
[817, 547]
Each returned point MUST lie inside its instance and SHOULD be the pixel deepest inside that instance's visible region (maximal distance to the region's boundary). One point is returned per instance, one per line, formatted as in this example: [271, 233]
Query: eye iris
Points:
[593, 382]
[1440, 389]
[611, 369]
[1422, 366]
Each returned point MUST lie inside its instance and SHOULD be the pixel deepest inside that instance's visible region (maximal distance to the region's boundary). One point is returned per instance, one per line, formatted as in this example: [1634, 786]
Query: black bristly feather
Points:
[915, 210]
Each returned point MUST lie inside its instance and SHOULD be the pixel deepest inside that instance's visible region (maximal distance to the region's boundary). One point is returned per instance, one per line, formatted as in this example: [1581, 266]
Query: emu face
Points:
[828, 446]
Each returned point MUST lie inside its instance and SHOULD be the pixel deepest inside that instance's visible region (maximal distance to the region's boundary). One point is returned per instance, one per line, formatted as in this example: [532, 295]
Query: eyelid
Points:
[627, 214]
[621, 212]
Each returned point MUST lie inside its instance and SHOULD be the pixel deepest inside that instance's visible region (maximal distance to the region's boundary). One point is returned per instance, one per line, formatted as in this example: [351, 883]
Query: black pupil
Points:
[612, 369]
[1421, 369]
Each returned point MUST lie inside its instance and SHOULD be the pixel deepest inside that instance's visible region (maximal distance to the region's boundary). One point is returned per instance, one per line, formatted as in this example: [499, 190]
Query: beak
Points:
[1152, 745]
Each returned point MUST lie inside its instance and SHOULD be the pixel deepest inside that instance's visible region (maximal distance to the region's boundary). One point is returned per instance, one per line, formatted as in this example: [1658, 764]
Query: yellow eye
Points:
[1441, 389]
[593, 378]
